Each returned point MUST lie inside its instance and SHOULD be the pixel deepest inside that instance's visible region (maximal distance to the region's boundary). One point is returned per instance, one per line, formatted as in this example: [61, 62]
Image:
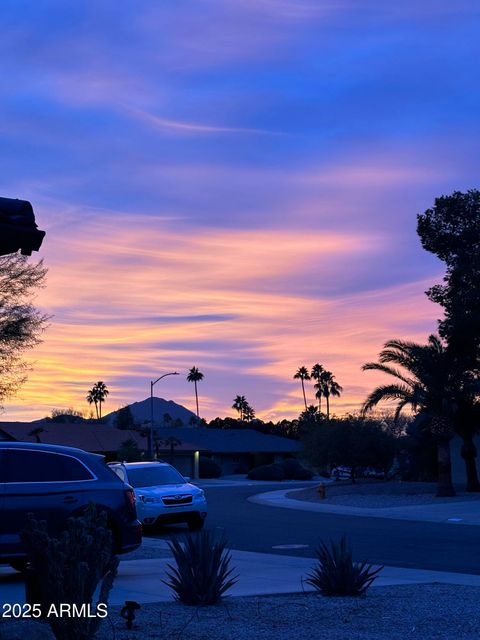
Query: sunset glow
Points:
[232, 186]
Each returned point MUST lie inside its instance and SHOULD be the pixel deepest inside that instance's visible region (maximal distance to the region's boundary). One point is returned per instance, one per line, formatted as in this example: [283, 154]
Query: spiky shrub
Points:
[337, 575]
[202, 573]
[71, 568]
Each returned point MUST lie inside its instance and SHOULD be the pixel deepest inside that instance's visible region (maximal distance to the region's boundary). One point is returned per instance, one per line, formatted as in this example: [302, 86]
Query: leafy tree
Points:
[424, 384]
[315, 374]
[352, 442]
[129, 451]
[327, 387]
[194, 375]
[98, 394]
[66, 415]
[21, 324]
[124, 418]
[451, 231]
[302, 374]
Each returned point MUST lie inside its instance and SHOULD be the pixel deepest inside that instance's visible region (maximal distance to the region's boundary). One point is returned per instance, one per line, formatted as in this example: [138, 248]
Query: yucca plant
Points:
[337, 575]
[202, 573]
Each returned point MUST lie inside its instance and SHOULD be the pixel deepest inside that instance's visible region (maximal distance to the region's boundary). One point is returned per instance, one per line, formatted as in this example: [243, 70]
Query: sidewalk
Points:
[259, 574]
[444, 512]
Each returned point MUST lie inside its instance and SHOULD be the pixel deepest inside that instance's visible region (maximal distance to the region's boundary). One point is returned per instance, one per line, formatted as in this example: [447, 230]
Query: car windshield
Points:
[153, 476]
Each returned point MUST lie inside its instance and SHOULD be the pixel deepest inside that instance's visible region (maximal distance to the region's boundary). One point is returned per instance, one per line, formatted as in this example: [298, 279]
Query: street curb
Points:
[417, 513]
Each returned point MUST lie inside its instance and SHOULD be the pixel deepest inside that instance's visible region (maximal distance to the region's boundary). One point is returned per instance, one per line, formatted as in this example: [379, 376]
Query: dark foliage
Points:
[350, 442]
[129, 451]
[202, 573]
[124, 418]
[21, 324]
[71, 568]
[294, 470]
[337, 575]
[267, 472]
[208, 468]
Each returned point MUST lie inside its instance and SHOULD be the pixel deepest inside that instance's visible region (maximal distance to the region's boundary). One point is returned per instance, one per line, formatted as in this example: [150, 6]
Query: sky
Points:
[232, 185]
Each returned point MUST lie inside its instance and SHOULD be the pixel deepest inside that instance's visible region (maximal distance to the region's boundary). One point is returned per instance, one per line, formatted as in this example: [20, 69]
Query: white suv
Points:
[163, 495]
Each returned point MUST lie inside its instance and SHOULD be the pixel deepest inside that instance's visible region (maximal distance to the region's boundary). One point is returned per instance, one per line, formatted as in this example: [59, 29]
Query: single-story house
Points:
[235, 450]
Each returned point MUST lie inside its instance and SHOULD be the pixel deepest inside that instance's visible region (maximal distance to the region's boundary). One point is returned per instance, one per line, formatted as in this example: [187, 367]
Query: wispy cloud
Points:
[166, 124]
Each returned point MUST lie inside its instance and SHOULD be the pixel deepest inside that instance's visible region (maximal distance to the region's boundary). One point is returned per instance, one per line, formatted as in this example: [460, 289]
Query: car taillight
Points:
[130, 497]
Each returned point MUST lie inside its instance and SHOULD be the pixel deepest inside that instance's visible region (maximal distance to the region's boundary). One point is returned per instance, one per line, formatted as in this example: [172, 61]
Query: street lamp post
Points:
[152, 384]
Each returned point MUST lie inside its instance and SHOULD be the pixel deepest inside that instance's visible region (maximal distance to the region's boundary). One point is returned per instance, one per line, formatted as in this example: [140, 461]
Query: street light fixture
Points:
[152, 384]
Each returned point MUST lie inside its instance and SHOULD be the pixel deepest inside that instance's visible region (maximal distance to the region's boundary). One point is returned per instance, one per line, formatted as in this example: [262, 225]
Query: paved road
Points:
[423, 545]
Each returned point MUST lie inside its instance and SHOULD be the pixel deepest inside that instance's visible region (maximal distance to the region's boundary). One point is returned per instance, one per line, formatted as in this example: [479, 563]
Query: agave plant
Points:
[337, 575]
[202, 573]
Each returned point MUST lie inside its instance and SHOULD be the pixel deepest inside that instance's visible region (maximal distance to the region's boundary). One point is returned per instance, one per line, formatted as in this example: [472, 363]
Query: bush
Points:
[69, 570]
[208, 468]
[202, 573]
[296, 471]
[337, 575]
[267, 472]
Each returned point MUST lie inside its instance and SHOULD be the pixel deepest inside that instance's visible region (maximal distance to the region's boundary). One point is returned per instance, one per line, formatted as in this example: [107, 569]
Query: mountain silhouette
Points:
[141, 412]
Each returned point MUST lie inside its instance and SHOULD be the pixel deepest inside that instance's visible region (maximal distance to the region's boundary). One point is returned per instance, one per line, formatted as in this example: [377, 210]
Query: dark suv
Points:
[54, 483]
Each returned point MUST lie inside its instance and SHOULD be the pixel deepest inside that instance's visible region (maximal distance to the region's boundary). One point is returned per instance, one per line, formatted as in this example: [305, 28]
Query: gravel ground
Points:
[377, 494]
[406, 612]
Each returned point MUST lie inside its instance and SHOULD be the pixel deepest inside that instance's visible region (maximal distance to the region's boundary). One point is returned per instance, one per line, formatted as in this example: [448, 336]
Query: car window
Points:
[153, 476]
[42, 466]
[120, 473]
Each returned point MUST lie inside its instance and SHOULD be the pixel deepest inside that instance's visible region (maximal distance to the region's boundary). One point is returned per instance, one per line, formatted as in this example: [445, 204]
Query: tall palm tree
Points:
[194, 375]
[98, 394]
[92, 398]
[315, 374]
[327, 387]
[101, 393]
[426, 384]
[302, 374]
[239, 405]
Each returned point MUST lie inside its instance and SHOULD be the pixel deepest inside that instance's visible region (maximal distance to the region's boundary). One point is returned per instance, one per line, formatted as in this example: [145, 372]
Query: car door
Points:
[48, 485]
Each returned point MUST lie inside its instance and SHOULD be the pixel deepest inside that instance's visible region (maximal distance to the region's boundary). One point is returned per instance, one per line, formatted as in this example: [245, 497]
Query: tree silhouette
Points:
[21, 324]
[302, 374]
[327, 387]
[98, 394]
[36, 432]
[451, 231]
[427, 387]
[194, 375]
[315, 374]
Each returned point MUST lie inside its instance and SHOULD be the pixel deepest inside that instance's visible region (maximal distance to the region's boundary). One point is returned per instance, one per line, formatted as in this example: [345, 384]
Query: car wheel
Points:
[19, 565]
[196, 523]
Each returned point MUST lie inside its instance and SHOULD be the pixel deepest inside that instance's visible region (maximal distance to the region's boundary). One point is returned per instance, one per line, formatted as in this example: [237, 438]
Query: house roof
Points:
[97, 438]
[100, 438]
[233, 440]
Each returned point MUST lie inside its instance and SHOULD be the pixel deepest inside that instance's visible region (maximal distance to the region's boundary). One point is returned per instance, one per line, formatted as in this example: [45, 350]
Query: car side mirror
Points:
[187, 478]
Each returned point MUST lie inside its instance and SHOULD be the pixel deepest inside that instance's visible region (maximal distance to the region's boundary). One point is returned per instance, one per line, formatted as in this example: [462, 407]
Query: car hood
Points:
[168, 489]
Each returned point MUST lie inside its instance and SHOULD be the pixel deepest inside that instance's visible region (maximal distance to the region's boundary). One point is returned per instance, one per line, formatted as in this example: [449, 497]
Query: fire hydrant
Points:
[322, 491]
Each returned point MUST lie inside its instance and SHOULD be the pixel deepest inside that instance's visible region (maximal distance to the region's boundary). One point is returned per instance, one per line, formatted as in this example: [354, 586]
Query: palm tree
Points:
[427, 387]
[101, 393]
[92, 398]
[327, 387]
[248, 412]
[302, 374]
[315, 374]
[194, 375]
[97, 395]
[239, 405]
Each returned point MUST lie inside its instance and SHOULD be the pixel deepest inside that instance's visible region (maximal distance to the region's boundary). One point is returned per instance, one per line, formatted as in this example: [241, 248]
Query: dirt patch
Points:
[375, 494]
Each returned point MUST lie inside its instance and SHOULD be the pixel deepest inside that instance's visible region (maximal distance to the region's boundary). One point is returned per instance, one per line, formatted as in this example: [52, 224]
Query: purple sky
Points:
[232, 185]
